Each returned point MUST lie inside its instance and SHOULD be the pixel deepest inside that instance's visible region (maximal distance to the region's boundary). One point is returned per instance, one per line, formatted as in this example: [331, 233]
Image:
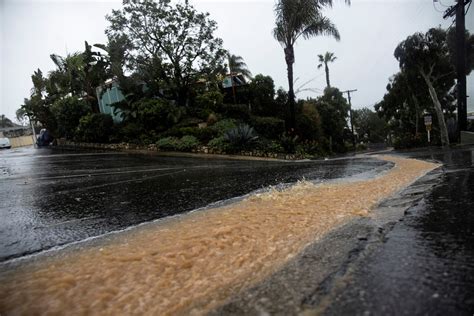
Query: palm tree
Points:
[325, 60]
[295, 19]
[67, 77]
[236, 64]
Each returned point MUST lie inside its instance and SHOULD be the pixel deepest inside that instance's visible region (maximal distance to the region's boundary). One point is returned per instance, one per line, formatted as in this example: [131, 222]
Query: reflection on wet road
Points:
[426, 264]
[51, 198]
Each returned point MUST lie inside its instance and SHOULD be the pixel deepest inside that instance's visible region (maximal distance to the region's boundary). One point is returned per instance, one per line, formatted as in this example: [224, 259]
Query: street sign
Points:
[428, 120]
[428, 124]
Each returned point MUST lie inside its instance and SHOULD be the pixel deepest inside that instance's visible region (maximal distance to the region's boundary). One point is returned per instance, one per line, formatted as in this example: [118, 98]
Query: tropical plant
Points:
[262, 94]
[221, 127]
[66, 78]
[324, 60]
[187, 143]
[240, 138]
[95, 128]
[5, 122]
[155, 114]
[168, 143]
[219, 143]
[210, 100]
[333, 110]
[295, 19]
[68, 112]
[237, 65]
[270, 127]
[369, 126]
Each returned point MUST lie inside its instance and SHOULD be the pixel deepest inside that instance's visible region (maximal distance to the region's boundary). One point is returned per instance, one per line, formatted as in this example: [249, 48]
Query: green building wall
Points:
[107, 98]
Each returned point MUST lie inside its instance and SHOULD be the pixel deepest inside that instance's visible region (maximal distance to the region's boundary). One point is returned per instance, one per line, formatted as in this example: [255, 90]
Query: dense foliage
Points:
[424, 85]
[168, 66]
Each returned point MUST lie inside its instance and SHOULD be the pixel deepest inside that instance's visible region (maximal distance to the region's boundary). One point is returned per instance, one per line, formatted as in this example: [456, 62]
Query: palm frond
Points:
[58, 61]
[321, 26]
[236, 64]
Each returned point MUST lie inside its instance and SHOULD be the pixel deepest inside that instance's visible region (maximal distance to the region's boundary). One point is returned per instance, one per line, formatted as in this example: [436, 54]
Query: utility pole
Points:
[461, 64]
[459, 11]
[350, 115]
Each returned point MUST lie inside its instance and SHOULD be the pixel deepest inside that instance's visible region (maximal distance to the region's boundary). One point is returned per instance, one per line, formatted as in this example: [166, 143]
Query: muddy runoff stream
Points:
[192, 263]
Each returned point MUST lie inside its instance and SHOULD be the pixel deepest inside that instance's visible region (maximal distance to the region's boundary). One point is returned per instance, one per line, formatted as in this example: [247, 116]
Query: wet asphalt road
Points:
[52, 198]
[425, 265]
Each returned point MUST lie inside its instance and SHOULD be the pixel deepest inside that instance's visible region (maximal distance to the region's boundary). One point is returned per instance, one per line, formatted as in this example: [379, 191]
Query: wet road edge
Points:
[309, 282]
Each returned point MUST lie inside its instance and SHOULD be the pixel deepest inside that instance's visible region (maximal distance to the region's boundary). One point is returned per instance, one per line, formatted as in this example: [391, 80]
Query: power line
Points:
[436, 9]
[468, 7]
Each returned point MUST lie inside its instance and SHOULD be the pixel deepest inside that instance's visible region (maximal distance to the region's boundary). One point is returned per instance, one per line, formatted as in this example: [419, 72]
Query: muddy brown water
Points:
[192, 263]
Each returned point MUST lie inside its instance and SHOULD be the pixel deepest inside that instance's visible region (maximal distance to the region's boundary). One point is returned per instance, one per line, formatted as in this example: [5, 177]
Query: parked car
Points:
[44, 138]
[5, 143]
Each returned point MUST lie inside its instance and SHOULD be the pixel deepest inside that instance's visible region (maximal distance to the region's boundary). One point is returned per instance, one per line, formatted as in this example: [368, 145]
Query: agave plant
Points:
[241, 137]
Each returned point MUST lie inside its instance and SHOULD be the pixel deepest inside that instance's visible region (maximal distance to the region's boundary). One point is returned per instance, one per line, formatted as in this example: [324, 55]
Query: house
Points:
[108, 94]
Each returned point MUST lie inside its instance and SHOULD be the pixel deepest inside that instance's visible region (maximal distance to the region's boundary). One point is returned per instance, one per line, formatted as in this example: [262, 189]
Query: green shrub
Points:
[308, 122]
[219, 143]
[361, 147]
[146, 138]
[269, 146]
[262, 94]
[269, 127]
[131, 131]
[310, 148]
[168, 143]
[187, 143]
[156, 114]
[223, 126]
[236, 111]
[210, 100]
[95, 128]
[68, 112]
[189, 122]
[289, 143]
[241, 138]
[408, 140]
[202, 134]
[205, 134]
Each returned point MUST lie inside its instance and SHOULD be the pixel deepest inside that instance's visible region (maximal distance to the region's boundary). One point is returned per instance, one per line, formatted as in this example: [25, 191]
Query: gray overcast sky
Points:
[31, 30]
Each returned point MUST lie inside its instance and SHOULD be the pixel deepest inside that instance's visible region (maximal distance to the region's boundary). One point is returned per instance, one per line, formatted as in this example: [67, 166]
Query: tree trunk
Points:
[417, 114]
[327, 75]
[439, 111]
[290, 60]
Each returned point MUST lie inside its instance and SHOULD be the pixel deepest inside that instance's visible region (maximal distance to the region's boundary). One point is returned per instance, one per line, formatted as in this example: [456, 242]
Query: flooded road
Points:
[425, 266]
[52, 198]
[191, 264]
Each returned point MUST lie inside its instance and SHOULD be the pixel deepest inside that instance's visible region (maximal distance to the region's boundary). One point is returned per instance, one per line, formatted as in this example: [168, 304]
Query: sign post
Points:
[428, 123]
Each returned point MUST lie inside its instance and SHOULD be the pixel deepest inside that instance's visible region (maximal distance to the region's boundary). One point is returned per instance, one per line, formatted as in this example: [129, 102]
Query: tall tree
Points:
[295, 19]
[333, 110]
[369, 126]
[169, 39]
[324, 60]
[428, 55]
